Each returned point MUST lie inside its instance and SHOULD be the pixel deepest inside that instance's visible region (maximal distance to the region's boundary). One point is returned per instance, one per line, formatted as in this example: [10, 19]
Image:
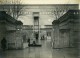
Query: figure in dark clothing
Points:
[36, 36]
[28, 41]
[34, 43]
[3, 43]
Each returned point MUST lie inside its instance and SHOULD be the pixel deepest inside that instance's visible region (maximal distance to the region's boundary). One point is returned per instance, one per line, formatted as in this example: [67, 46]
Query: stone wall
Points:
[14, 39]
[67, 30]
[8, 30]
[2, 32]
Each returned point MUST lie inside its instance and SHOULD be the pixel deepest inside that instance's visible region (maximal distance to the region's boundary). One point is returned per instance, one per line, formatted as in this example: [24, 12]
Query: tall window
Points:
[36, 24]
[36, 20]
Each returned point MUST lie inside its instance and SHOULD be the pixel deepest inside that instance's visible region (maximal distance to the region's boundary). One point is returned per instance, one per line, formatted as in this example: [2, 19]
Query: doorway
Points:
[36, 35]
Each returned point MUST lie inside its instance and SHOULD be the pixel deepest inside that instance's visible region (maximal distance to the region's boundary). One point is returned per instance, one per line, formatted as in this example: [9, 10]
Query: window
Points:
[36, 20]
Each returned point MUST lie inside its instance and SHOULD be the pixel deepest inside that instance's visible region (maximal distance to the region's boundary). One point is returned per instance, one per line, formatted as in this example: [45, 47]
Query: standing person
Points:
[34, 41]
[3, 43]
[28, 41]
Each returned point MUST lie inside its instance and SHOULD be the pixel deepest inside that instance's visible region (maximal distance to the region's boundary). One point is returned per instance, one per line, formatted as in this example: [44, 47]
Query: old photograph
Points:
[39, 29]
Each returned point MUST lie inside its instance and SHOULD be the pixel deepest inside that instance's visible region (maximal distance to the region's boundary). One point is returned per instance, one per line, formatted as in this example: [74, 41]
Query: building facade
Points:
[66, 30]
[41, 15]
[10, 30]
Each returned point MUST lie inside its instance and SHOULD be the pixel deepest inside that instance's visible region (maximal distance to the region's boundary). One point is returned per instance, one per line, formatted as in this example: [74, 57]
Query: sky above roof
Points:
[43, 1]
[50, 1]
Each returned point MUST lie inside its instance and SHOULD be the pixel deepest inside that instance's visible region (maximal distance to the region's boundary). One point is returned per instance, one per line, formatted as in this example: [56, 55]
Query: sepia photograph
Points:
[39, 29]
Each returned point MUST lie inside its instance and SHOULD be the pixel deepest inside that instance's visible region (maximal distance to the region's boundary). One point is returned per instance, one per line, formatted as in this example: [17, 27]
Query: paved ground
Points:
[40, 52]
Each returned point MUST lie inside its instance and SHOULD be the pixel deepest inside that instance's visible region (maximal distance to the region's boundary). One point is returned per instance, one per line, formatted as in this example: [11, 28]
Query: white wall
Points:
[46, 15]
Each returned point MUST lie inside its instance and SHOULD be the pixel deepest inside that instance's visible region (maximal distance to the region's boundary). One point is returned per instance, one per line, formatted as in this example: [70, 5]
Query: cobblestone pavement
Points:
[40, 52]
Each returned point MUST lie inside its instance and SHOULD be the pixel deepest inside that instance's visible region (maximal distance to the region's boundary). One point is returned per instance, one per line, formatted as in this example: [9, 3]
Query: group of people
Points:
[29, 42]
[4, 42]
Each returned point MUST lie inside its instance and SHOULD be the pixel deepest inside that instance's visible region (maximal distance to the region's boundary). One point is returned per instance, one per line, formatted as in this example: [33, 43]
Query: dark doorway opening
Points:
[36, 36]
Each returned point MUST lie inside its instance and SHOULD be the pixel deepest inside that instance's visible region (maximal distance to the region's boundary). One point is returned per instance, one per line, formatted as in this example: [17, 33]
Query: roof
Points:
[2, 15]
[8, 18]
[18, 22]
[55, 22]
[71, 14]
